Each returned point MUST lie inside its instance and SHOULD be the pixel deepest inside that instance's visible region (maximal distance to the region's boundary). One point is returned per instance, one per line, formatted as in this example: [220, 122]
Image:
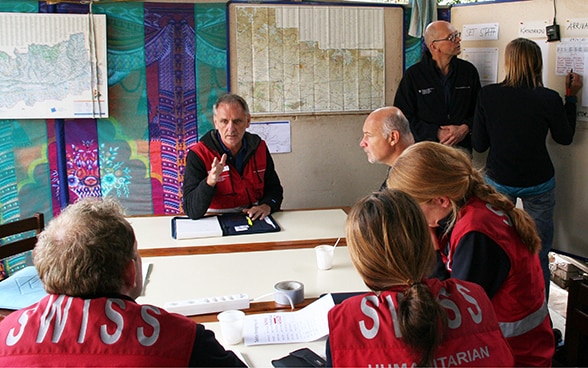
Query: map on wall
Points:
[53, 66]
[276, 134]
[292, 59]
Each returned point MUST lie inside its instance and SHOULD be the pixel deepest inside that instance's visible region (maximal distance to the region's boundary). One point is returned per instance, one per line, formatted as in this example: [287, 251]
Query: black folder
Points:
[221, 225]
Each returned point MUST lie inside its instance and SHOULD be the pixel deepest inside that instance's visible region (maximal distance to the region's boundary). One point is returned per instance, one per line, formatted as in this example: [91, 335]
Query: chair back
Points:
[15, 244]
[576, 338]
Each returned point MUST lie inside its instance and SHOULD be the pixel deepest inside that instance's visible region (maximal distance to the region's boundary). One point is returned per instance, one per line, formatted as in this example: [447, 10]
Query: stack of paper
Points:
[186, 228]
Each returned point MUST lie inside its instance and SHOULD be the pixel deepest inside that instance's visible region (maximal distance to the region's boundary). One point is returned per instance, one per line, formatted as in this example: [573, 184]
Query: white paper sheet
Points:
[202, 228]
[21, 289]
[307, 324]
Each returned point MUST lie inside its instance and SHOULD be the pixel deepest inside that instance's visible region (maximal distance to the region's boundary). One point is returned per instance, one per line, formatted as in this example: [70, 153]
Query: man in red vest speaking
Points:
[230, 169]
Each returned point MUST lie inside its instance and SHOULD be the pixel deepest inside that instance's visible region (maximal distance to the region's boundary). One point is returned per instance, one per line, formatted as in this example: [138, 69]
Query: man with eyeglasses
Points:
[438, 94]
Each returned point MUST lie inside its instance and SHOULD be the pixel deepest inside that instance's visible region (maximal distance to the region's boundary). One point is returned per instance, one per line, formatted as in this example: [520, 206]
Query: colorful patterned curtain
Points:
[166, 66]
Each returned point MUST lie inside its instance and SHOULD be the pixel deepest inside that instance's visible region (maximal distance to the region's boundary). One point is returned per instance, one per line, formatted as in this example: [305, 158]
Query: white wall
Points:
[571, 162]
[326, 167]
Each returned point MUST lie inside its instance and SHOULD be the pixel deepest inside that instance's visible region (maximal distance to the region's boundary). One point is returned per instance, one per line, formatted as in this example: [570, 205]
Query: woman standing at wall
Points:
[512, 120]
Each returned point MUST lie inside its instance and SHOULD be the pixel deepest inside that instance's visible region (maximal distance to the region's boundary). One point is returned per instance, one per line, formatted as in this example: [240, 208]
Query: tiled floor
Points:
[558, 301]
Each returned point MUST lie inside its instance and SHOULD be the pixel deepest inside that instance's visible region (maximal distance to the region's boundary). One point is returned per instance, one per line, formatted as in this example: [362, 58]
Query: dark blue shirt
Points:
[477, 258]
[239, 161]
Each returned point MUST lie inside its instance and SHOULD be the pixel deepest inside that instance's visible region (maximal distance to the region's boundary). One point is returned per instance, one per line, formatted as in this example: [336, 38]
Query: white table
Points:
[175, 278]
[249, 264]
[300, 228]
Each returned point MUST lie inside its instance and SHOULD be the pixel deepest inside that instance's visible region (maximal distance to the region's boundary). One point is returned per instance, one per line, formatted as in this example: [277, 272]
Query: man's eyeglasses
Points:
[452, 37]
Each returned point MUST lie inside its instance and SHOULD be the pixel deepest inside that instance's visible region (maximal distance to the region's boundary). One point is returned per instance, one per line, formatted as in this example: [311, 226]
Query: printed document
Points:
[307, 324]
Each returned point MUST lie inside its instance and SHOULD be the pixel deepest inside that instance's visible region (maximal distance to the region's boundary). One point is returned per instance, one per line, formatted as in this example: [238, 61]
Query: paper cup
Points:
[324, 256]
[231, 323]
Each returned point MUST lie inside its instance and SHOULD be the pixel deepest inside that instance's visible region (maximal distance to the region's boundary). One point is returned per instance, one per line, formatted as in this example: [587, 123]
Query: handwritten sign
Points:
[477, 32]
[533, 29]
[576, 27]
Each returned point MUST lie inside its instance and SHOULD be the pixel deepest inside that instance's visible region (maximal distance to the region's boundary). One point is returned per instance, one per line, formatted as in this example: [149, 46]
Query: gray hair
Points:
[397, 121]
[229, 99]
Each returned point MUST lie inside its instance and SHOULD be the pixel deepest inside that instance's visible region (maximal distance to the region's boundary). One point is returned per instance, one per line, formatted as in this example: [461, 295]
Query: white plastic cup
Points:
[231, 323]
[324, 256]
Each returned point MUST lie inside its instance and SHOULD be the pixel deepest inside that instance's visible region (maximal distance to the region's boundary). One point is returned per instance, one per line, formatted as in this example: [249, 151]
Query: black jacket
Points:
[514, 123]
[197, 194]
[421, 97]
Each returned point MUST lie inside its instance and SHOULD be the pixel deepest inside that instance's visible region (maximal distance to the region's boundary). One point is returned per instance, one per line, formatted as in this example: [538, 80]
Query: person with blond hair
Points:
[512, 121]
[88, 261]
[483, 238]
[408, 319]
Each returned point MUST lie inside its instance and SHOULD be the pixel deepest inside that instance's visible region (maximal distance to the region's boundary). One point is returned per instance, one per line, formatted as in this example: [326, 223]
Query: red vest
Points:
[67, 331]
[363, 330]
[520, 301]
[233, 190]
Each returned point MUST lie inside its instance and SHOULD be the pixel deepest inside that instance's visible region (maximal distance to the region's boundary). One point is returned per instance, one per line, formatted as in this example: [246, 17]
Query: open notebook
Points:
[221, 225]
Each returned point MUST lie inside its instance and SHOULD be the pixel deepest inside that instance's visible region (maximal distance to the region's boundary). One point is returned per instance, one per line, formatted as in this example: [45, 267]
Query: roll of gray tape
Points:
[286, 291]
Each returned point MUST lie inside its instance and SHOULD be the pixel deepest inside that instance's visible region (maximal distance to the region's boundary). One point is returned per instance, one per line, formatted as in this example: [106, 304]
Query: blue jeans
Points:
[540, 207]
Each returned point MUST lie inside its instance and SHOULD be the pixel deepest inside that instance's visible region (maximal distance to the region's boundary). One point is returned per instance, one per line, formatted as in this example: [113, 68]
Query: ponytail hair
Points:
[390, 244]
[422, 322]
[523, 223]
[428, 170]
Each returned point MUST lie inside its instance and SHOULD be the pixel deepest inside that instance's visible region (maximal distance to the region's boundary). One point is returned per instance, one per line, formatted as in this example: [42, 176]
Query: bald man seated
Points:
[386, 133]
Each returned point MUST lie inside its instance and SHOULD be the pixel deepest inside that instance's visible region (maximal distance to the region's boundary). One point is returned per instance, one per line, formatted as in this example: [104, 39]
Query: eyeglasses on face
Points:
[452, 37]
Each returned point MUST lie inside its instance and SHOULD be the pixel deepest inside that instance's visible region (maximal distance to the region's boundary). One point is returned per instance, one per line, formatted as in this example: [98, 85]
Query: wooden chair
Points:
[576, 338]
[24, 243]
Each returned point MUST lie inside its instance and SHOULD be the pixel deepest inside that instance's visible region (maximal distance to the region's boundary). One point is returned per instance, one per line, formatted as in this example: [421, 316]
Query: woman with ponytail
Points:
[408, 319]
[483, 238]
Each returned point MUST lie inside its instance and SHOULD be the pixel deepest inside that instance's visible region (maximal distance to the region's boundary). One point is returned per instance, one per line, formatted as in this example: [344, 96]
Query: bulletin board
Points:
[528, 19]
[315, 58]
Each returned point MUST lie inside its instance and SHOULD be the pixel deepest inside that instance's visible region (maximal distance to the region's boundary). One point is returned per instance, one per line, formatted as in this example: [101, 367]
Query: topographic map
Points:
[47, 69]
[310, 58]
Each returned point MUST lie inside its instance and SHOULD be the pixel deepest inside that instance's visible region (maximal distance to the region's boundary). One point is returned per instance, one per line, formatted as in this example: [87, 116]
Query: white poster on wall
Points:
[571, 54]
[486, 61]
[276, 134]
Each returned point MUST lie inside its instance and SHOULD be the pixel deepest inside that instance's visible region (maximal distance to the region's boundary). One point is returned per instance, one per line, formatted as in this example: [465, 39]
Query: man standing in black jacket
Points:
[438, 94]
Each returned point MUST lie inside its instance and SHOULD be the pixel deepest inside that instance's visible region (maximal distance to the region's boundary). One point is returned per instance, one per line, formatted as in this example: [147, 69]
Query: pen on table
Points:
[267, 219]
[249, 220]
